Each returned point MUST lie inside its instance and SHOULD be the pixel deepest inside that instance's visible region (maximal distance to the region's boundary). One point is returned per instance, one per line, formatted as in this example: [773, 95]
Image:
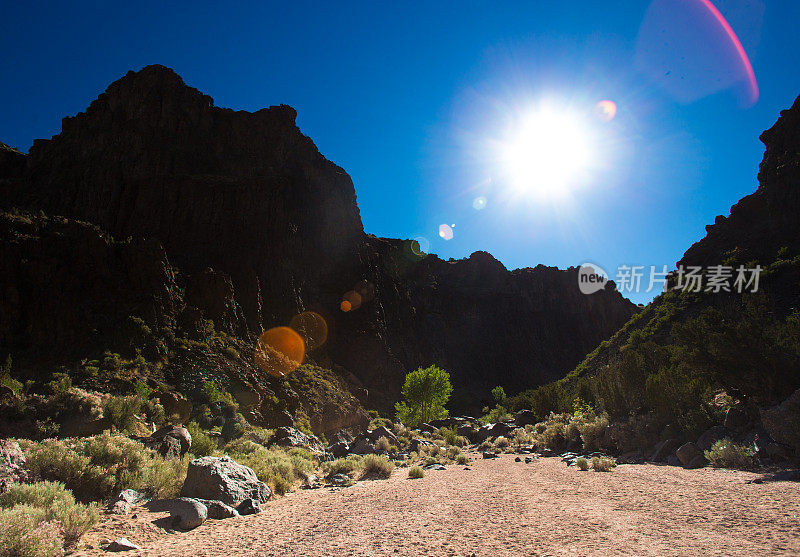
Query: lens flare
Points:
[312, 327]
[605, 110]
[479, 203]
[420, 246]
[366, 290]
[354, 299]
[279, 351]
[344, 306]
[446, 231]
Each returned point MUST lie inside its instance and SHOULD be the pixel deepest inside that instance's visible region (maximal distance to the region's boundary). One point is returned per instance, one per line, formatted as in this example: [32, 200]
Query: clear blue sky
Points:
[412, 100]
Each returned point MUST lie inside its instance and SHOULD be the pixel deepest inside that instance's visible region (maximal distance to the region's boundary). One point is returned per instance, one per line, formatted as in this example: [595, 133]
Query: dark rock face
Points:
[761, 223]
[261, 227]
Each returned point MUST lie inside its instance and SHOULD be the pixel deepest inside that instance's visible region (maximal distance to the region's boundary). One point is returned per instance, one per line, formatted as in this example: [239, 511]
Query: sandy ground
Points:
[500, 507]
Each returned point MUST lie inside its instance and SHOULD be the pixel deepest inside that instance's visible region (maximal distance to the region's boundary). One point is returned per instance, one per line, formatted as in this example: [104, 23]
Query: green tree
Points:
[425, 392]
[499, 395]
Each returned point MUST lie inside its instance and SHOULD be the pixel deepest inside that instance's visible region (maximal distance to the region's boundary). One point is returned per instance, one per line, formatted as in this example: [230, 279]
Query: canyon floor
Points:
[498, 507]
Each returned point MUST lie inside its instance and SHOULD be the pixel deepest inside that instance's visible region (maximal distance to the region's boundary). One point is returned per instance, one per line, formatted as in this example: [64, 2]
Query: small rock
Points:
[120, 507]
[434, 466]
[528, 460]
[122, 544]
[517, 459]
[249, 506]
[489, 454]
[467, 468]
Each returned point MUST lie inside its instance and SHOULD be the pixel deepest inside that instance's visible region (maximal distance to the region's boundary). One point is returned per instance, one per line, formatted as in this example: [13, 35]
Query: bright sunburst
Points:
[548, 153]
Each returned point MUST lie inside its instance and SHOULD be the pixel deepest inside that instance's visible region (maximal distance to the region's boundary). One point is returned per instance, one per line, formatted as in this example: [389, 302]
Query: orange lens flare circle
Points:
[312, 327]
[606, 110]
[279, 351]
[345, 306]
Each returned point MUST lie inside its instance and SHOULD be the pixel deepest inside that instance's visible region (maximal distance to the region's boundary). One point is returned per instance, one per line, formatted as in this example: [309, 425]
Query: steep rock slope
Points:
[258, 226]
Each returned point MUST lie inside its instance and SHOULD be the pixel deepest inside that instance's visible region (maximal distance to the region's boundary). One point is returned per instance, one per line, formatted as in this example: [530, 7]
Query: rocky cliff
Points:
[209, 223]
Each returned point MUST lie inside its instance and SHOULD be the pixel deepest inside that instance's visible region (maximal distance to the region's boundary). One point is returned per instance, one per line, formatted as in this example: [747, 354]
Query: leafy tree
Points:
[499, 395]
[425, 392]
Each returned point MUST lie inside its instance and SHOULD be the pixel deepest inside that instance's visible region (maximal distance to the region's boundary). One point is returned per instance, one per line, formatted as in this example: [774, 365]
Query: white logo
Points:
[591, 278]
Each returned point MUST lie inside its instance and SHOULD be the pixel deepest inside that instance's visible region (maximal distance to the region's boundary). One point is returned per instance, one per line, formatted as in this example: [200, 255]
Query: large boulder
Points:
[494, 430]
[525, 417]
[781, 421]
[378, 432]
[170, 441]
[218, 510]
[291, 437]
[662, 451]
[339, 450]
[222, 479]
[176, 406]
[362, 445]
[687, 453]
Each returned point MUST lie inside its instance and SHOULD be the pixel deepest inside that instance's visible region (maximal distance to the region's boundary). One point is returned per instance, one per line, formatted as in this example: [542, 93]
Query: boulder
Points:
[187, 513]
[781, 421]
[687, 452]
[12, 463]
[711, 436]
[291, 437]
[248, 506]
[697, 462]
[736, 419]
[426, 428]
[176, 406]
[525, 417]
[379, 432]
[415, 444]
[170, 441]
[489, 454]
[663, 450]
[339, 450]
[218, 510]
[494, 430]
[222, 479]
[467, 430]
[362, 445]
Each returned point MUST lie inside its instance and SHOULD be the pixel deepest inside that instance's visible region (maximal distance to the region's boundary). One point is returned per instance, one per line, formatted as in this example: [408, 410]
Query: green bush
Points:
[121, 411]
[376, 466]
[45, 502]
[415, 473]
[603, 464]
[582, 464]
[275, 467]
[202, 444]
[25, 533]
[727, 454]
[347, 465]
[382, 444]
[164, 478]
[462, 459]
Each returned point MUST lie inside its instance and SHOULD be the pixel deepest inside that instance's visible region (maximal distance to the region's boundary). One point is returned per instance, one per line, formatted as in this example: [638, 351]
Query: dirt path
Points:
[501, 507]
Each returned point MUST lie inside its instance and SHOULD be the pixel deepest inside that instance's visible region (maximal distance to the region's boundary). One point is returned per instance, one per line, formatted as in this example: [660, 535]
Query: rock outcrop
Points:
[208, 215]
[222, 479]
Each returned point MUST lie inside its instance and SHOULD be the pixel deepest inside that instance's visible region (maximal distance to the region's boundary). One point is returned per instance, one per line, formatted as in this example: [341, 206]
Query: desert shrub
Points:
[25, 533]
[164, 478]
[343, 465]
[57, 503]
[497, 414]
[415, 473]
[500, 443]
[485, 444]
[552, 433]
[588, 427]
[603, 463]
[727, 454]
[261, 435]
[382, 444]
[5, 376]
[202, 444]
[121, 411]
[275, 467]
[523, 437]
[582, 464]
[376, 466]
[462, 459]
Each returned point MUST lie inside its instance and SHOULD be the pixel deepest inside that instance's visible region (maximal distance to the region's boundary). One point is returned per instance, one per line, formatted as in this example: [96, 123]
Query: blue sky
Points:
[415, 101]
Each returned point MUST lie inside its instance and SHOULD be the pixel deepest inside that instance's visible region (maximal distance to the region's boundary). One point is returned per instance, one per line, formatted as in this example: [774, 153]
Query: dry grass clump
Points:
[278, 468]
[462, 459]
[40, 518]
[603, 464]
[383, 444]
[501, 442]
[376, 466]
[416, 473]
[727, 454]
[349, 465]
[582, 464]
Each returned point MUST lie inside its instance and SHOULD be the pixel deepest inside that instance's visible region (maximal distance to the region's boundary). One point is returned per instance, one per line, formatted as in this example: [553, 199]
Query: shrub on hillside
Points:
[347, 465]
[727, 454]
[275, 467]
[25, 533]
[382, 444]
[202, 444]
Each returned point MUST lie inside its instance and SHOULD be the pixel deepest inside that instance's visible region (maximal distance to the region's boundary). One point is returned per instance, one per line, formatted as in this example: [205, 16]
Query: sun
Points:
[548, 152]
